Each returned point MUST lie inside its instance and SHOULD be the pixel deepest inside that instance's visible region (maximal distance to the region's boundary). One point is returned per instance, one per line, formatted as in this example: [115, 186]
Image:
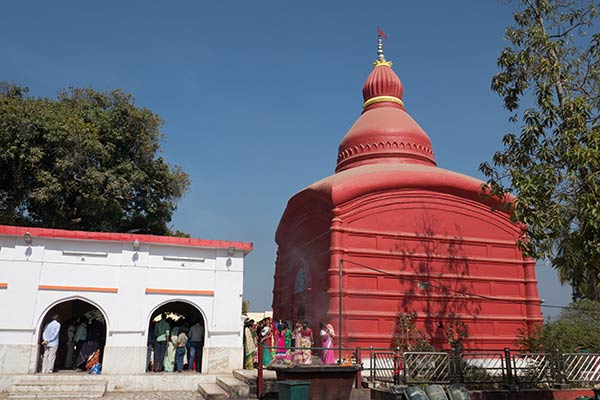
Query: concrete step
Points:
[47, 388]
[235, 387]
[54, 395]
[79, 376]
[212, 391]
[250, 376]
[60, 386]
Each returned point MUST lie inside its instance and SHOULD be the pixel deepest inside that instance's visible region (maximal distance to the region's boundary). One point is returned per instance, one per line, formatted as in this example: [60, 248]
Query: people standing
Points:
[297, 337]
[169, 360]
[197, 343]
[79, 338]
[161, 333]
[180, 351]
[306, 342]
[70, 353]
[284, 343]
[150, 349]
[327, 334]
[50, 343]
[266, 339]
[249, 343]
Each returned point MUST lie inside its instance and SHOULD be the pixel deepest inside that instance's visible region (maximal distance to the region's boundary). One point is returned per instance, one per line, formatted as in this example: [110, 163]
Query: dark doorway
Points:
[181, 317]
[82, 332]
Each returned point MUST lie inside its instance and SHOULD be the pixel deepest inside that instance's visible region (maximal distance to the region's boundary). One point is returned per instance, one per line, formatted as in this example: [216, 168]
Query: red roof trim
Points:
[123, 237]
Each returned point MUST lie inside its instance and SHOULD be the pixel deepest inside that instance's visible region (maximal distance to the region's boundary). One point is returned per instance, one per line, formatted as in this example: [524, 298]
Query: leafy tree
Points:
[245, 306]
[456, 333]
[576, 329]
[549, 80]
[407, 337]
[87, 160]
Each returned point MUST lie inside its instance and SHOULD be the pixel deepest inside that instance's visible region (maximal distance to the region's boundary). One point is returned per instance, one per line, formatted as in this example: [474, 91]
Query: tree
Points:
[87, 160]
[407, 337]
[245, 306]
[549, 80]
[576, 329]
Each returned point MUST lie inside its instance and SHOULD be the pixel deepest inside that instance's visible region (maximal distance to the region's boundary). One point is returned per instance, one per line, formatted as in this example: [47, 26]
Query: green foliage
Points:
[576, 329]
[549, 80]
[87, 160]
[245, 306]
[407, 337]
[456, 333]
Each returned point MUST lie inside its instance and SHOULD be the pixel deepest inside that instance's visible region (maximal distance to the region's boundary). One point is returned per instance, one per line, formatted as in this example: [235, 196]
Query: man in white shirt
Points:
[50, 343]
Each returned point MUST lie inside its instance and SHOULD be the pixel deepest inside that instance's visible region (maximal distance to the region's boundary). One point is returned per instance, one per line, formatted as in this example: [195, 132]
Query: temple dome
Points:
[384, 133]
[382, 81]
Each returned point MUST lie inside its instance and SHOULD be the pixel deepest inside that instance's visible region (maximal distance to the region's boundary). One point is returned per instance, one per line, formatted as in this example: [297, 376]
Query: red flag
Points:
[380, 33]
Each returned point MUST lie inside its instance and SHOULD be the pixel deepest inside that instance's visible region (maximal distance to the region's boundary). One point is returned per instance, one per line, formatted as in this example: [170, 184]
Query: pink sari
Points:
[327, 356]
[283, 346]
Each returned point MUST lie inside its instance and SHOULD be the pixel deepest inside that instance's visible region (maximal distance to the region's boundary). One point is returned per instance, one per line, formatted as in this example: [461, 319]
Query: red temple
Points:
[409, 237]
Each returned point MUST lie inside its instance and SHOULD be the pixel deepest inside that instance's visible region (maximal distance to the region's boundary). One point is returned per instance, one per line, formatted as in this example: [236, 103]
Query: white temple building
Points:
[123, 281]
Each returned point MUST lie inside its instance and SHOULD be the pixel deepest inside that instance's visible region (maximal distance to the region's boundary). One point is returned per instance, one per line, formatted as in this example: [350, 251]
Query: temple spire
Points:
[380, 56]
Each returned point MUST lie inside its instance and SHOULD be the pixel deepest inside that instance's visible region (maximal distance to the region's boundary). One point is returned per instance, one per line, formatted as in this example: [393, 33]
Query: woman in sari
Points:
[284, 343]
[249, 344]
[306, 342]
[297, 338]
[169, 360]
[266, 338]
[327, 335]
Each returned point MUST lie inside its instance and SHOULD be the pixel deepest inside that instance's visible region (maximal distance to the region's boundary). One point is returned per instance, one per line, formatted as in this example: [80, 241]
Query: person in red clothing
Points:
[306, 342]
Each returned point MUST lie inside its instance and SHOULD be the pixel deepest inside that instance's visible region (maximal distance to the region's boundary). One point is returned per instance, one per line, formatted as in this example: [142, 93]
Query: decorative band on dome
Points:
[379, 99]
[379, 63]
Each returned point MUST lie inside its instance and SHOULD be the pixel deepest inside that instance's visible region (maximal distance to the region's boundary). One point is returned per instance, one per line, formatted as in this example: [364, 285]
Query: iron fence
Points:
[581, 367]
[426, 367]
[533, 368]
[384, 366]
[481, 369]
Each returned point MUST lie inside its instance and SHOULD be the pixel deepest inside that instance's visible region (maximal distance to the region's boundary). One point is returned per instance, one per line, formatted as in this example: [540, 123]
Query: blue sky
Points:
[256, 96]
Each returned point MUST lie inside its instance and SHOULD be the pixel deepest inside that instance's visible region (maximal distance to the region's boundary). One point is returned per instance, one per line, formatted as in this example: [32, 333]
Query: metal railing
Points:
[426, 367]
[384, 366]
[581, 367]
[533, 368]
[480, 369]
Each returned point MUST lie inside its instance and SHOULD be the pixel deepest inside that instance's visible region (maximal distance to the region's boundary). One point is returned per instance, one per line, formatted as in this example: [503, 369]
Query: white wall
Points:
[105, 264]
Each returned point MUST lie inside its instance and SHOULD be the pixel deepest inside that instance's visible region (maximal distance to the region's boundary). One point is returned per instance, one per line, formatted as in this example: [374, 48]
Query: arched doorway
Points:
[82, 334]
[180, 316]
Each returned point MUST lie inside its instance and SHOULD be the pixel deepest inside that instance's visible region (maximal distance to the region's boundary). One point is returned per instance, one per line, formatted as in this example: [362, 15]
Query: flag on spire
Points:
[380, 33]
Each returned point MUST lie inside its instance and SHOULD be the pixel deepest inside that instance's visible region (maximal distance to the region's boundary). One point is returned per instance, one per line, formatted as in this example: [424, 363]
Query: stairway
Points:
[250, 378]
[58, 387]
[242, 384]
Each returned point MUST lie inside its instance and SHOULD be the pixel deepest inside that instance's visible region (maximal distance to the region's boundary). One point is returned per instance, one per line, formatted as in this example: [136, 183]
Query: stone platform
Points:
[153, 386]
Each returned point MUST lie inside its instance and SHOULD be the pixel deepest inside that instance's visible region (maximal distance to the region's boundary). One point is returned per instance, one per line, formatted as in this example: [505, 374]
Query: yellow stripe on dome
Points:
[379, 63]
[379, 99]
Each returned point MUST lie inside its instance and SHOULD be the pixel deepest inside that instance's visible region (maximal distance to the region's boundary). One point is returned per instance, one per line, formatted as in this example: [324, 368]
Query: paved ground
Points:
[153, 396]
[143, 396]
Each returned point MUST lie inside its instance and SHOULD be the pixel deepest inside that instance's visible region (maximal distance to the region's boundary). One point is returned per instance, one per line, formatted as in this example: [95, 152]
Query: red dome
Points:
[384, 132]
[383, 81]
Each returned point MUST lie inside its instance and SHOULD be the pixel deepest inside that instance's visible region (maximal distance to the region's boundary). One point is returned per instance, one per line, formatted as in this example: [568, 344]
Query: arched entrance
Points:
[82, 334]
[180, 316]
